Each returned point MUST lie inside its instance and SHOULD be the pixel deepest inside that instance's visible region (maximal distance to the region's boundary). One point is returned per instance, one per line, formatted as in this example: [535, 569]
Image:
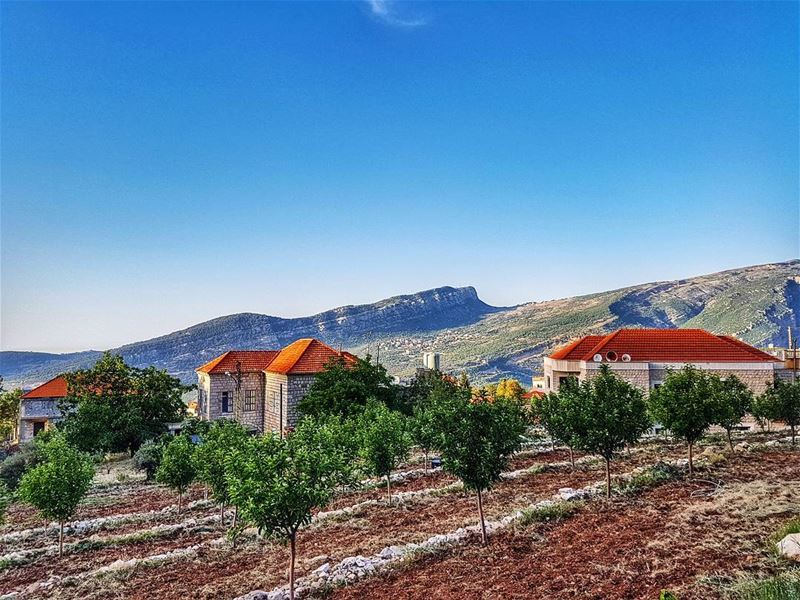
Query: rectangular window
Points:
[227, 401]
[250, 400]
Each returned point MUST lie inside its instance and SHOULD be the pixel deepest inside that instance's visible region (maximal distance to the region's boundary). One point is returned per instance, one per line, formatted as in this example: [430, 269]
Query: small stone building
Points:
[38, 409]
[643, 357]
[262, 388]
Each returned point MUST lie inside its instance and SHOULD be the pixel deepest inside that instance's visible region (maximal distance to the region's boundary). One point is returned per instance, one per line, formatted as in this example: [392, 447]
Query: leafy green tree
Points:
[384, 441]
[278, 483]
[551, 413]
[113, 407]
[423, 430]
[343, 389]
[686, 404]
[476, 440]
[221, 439]
[177, 469]
[781, 402]
[59, 483]
[734, 400]
[603, 414]
[9, 413]
[148, 457]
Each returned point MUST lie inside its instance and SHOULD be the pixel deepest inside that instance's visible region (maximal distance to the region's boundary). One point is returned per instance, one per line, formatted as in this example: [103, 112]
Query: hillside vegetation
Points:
[755, 303]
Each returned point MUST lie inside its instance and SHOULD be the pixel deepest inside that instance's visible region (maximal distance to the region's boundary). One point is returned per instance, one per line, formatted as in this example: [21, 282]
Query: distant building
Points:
[268, 384]
[38, 409]
[643, 356]
[432, 361]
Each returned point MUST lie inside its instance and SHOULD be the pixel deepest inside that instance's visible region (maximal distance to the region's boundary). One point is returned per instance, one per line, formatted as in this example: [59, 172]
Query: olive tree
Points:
[686, 404]
[209, 457]
[781, 402]
[423, 432]
[384, 441]
[602, 414]
[276, 483]
[58, 483]
[476, 439]
[177, 466]
[734, 400]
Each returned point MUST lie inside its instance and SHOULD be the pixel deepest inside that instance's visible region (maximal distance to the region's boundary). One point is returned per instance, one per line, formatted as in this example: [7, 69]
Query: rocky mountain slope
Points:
[755, 303]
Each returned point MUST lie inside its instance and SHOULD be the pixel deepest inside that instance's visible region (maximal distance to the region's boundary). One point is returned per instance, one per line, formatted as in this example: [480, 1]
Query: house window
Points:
[38, 427]
[227, 402]
[250, 400]
[548, 382]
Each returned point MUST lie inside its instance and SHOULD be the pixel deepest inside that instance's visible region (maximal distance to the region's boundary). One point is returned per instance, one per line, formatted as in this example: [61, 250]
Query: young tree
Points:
[344, 388]
[222, 438]
[59, 483]
[602, 415]
[551, 413]
[781, 402]
[423, 431]
[685, 404]
[384, 441]
[9, 413]
[510, 389]
[277, 483]
[734, 400]
[113, 407]
[476, 439]
[5, 501]
[177, 466]
[148, 457]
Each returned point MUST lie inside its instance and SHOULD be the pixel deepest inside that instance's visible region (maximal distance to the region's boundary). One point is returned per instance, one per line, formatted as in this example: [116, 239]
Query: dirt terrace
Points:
[683, 536]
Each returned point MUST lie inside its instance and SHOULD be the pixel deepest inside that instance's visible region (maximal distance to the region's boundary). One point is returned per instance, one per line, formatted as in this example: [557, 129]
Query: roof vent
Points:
[611, 356]
[598, 358]
[626, 358]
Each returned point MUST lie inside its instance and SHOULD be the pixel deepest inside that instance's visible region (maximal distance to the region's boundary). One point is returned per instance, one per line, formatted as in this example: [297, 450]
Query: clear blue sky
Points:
[165, 163]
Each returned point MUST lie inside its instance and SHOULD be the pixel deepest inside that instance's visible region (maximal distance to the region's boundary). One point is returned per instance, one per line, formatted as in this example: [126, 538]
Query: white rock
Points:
[790, 546]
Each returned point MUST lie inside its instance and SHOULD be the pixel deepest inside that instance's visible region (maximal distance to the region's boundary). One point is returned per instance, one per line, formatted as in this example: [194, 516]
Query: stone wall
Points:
[284, 391]
[215, 384]
[37, 410]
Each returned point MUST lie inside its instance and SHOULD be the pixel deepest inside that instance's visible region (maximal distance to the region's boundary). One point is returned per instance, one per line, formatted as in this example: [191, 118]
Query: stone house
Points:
[643, 357]
[262, 388]
[38, 408]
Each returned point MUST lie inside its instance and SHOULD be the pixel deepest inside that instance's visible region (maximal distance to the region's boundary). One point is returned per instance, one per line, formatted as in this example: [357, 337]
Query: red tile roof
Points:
[55, 388]
[577, 348]
[306, 356]
[664, 345]
[251, 361]
[533, 394]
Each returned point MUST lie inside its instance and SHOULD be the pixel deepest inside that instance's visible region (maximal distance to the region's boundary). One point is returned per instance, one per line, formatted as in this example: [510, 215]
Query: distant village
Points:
[268, 385]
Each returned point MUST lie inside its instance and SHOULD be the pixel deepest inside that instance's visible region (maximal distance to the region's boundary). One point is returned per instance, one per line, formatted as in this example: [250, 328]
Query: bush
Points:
[785, 586]
[148, 457]
[15, 465]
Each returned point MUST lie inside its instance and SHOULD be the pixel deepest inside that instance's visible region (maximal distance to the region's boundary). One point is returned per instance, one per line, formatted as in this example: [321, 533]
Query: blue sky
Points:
[166, 163]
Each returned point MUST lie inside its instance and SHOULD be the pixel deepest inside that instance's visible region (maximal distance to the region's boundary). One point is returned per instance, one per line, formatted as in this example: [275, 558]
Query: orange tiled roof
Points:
[55, 388]
[665, 345]
[577, 348]
[251, 361]
[305, 356]
[533, 394]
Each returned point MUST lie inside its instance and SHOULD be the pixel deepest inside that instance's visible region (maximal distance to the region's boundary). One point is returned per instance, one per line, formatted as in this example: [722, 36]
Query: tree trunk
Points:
[572, 458]
[291, 565]
[792, 428]
[389, 488]
[483, 522]
[235, 516]
[608, 478]
[61, 539]
[426, 462]
[205, 492]
[222, 513]
[730, 441]
[180, 502]
[691, 464]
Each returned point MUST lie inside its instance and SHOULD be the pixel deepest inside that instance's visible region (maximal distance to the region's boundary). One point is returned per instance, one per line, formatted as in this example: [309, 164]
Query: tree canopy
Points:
[177, 468]
[686, 404]
[781, 402]
[276, 483]
[734, 400]
[601, 415]
[58, 483]
[221, 439]
[476, 439]
[114, 407]
[384, 441]
[344, 389]
[9, 412]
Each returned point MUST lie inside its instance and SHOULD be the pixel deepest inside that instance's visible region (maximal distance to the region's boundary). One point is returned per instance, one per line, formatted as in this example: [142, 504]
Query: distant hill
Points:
[755, 303]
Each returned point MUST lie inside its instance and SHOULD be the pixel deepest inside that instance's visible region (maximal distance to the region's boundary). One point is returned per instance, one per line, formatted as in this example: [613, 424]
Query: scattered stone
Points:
[790, 546]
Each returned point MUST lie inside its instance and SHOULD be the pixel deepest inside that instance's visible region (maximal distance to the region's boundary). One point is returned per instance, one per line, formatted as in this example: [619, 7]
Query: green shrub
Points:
[148, 458]
[558, 511]
[667, 595]
[785, 586]
[650, 477]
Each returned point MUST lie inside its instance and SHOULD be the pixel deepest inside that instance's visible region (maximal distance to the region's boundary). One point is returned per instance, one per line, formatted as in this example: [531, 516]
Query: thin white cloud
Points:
[386, 12]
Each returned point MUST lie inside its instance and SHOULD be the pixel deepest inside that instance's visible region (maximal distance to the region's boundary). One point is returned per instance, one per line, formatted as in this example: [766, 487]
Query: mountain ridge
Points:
[756, 303]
